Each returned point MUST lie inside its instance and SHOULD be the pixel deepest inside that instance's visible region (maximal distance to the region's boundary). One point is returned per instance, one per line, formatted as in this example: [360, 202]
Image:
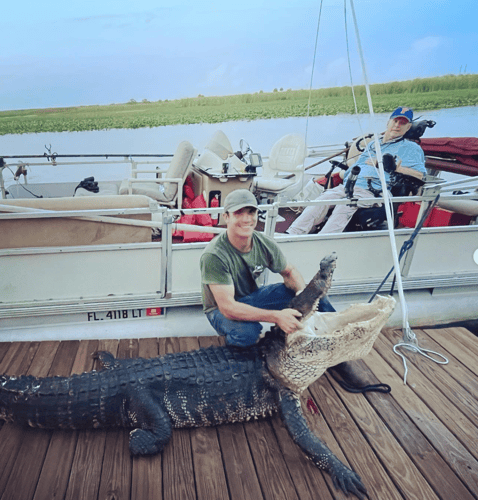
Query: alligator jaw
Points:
[306, 301]
[327, 339]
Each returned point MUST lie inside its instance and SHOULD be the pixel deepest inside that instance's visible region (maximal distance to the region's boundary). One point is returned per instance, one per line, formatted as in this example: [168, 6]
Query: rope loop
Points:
[420, 350]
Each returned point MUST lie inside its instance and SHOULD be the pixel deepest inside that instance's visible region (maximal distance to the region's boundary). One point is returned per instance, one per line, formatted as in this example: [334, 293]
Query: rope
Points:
[386, 196]
[310, 87]
[408, 335]
[312, 72]
[412, 346]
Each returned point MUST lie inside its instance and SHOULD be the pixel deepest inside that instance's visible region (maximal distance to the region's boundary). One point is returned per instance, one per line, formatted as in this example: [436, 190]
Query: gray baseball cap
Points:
[238, 199]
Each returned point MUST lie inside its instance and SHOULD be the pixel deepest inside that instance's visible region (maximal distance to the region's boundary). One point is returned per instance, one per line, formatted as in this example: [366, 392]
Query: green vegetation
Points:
[421, 94]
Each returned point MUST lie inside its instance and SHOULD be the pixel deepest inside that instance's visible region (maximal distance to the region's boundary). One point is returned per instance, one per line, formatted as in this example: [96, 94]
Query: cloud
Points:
[216, 75]
[427, 44]
[423, 58]
[222, 77]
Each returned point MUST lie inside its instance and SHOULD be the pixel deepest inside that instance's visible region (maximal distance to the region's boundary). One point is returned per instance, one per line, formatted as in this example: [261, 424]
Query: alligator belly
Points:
[199, 409]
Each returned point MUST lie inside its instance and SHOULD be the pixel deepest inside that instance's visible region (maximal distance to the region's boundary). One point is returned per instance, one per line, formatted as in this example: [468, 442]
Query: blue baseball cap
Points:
[405, 112]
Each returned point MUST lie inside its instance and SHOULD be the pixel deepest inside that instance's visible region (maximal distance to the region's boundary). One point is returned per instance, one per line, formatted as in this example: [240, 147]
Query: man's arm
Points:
[287, 319]
[408, 171]
[292, 278]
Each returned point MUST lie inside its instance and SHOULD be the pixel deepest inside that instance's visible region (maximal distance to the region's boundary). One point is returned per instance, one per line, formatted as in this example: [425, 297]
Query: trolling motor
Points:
[89, 184]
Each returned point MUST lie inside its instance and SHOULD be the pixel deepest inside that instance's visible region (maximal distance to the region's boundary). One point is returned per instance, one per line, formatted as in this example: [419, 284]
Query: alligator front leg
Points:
[153, 425]
[343, 478]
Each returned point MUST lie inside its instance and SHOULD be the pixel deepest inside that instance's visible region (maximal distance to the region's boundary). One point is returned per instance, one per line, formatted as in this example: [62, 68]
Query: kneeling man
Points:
[230, 265]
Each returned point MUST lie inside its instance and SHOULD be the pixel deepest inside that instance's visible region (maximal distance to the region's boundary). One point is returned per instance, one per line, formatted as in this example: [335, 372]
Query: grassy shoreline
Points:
[449, 91]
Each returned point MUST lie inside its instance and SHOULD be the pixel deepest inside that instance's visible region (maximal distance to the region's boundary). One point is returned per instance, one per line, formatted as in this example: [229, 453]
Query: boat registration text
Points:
[125, 314]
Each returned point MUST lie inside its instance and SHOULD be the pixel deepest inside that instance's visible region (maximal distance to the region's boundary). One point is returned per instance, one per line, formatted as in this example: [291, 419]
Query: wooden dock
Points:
[418, 442]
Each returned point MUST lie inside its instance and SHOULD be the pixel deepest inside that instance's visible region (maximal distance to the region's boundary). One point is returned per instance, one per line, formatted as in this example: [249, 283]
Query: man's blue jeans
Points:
[245, 333]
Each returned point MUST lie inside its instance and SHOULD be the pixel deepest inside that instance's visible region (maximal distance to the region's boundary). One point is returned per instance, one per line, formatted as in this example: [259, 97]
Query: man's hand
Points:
[287, 320]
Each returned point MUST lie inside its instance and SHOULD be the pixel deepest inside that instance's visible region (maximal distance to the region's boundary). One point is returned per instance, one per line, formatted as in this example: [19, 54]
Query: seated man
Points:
[230, 266]
[409, 159]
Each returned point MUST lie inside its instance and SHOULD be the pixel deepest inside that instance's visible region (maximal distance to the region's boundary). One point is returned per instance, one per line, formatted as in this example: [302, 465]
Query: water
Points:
[260, 134]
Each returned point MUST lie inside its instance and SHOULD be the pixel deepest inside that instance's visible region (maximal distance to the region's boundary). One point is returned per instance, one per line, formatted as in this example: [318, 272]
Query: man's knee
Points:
[244, 336]
[238, 333]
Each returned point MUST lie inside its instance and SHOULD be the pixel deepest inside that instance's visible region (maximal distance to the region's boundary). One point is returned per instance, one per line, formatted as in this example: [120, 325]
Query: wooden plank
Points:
[35, 444]
[355, 447]
[459, 342]
[85, 473]
[453, 350]
[436, 397]
[395, 460]
[307, 478]
[430, 463]
[147, 474]
[55, 472]
[83, 361]
[206, 453]
[4, 347]
[271, 469]
[456, 458]
[16, 361]
[116, 472]
[19, 356]
[238, 465]
[454, 380]
[11, 435]
[178, 473]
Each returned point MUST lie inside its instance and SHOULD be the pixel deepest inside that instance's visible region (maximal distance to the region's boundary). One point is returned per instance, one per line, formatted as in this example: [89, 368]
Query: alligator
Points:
[210, 386]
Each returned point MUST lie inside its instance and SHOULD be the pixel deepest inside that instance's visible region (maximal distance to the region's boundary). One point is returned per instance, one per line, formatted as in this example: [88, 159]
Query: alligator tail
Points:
[59, 402]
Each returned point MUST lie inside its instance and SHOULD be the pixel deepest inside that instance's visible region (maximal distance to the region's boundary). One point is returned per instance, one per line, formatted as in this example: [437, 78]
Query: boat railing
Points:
[271, 210]
[165, 273]
[25, 163]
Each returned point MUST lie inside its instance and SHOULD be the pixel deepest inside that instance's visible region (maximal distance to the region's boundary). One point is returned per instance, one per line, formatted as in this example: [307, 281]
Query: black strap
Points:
[384, 388]
[406, 246]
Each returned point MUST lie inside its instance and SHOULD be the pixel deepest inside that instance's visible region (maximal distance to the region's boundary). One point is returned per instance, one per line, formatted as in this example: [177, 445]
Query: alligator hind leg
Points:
[153, 425]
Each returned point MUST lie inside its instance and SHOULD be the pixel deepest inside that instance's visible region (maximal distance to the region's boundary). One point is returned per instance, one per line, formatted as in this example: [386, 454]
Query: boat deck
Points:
[418, 442]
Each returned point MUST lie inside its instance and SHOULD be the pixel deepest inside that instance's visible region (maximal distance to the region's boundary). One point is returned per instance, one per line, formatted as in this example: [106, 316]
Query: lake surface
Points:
[260, 134]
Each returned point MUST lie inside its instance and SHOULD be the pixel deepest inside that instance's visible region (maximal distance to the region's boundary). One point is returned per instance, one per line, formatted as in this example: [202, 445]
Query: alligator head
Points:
[326, 339]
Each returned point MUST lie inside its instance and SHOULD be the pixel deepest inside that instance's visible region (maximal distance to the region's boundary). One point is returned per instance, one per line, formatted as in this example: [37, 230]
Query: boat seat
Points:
[287, 156]
[167, 189]
[54, 232]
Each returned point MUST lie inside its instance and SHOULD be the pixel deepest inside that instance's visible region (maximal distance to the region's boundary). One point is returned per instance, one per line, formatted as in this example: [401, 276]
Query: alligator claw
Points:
[105, 358]
[348, 481]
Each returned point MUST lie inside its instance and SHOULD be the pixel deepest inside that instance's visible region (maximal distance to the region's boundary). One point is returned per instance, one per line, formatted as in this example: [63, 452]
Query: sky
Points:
[58, 53]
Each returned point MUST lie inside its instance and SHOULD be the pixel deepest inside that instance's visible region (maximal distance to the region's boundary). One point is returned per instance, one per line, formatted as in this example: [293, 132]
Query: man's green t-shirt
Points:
[222, 264]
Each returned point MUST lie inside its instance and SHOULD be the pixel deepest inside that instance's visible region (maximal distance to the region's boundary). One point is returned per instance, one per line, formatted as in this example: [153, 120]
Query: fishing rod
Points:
[101, 155]
[321, 161]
